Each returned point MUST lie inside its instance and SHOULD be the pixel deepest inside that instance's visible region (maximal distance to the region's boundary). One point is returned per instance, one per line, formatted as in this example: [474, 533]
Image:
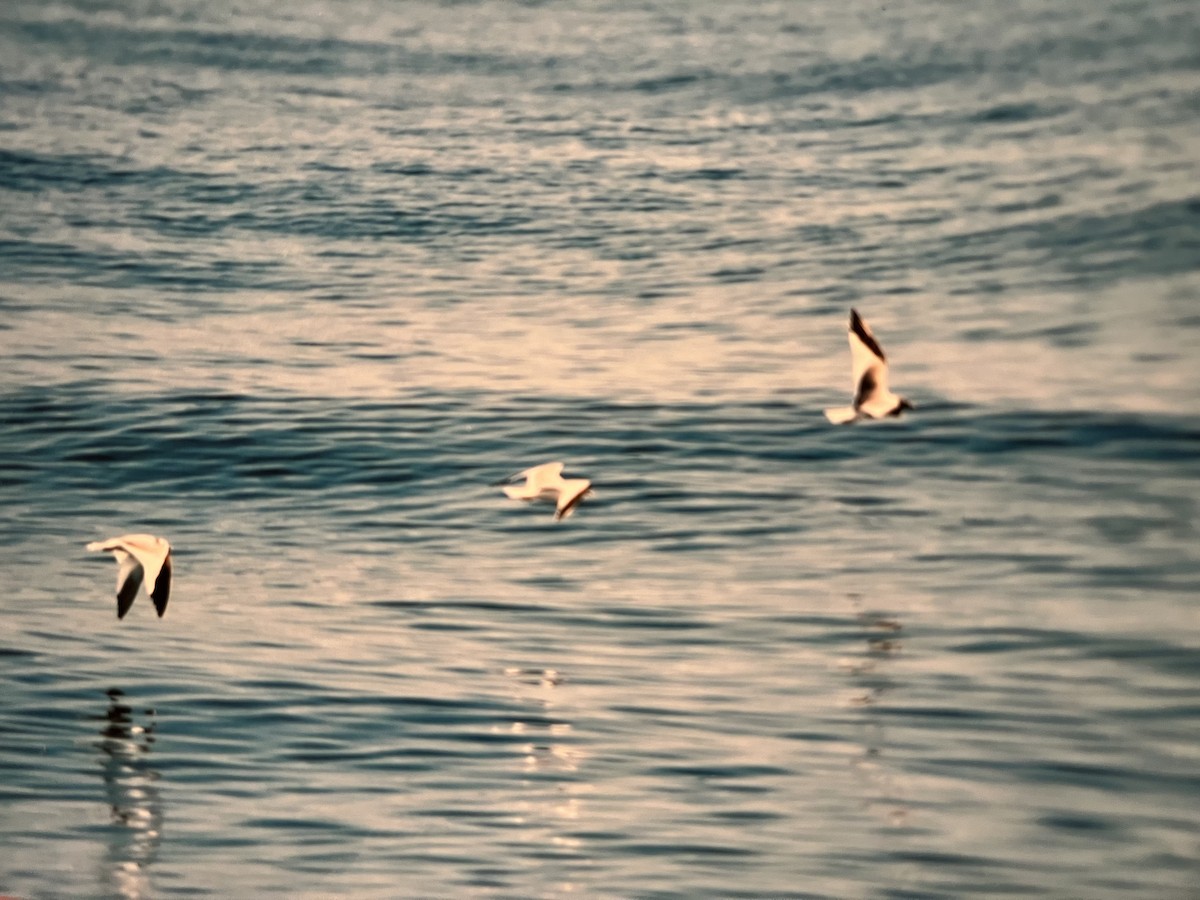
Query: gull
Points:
[545, 482]
[142, 557]
[872, 398]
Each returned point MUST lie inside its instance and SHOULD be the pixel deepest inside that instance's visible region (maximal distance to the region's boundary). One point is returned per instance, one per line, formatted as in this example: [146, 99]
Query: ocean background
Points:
[293, 284]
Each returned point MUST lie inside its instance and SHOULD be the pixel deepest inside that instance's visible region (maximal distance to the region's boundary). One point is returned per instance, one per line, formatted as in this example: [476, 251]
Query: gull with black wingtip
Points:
[142, 558]
[545, 482]
[872, 397]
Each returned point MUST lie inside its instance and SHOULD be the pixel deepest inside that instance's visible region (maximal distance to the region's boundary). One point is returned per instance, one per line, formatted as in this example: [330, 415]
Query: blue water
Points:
[294, 285]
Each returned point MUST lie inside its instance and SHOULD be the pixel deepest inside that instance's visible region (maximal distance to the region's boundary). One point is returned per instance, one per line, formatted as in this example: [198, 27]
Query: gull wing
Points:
[546, 477]
[129, 581]
[865, 354]
[545, 474]
[870, 370]
[152, 552]
[572, 491]
[872, 386]
[546, 471]
[142, 558]
[162, 586]
[841, 415]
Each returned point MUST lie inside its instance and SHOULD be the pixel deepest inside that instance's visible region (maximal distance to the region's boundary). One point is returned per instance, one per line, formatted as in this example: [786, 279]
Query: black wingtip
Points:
[859, 327]
[162, 588]
[127, 591]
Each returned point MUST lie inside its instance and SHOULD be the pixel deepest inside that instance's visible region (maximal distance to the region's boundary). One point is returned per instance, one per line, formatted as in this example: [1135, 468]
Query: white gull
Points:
[872, 397]
[545, 482]
[142, 558]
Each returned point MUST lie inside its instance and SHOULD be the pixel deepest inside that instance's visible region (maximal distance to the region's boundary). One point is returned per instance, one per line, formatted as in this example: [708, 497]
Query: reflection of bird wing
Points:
[865, 355]
[129, 579]
[573, 490]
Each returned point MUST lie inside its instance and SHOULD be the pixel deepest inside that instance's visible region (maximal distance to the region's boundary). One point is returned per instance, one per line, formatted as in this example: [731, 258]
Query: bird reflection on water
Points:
[872, 681]
[130, 785]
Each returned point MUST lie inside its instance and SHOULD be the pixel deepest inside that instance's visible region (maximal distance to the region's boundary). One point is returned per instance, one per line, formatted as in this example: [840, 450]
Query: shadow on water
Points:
[130, 785]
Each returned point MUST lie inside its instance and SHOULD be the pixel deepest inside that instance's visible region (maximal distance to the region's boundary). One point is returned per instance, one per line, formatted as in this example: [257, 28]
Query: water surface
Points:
[293, 287]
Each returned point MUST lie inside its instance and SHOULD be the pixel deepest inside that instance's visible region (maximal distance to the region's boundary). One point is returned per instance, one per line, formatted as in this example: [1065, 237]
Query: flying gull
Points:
[142, 557]
[872, 398]
[545, 482]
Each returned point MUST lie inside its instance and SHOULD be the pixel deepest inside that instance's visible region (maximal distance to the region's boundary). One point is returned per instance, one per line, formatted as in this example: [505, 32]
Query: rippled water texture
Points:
[295, 285]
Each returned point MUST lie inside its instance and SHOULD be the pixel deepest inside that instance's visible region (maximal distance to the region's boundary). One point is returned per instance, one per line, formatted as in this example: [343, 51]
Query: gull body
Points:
[143, 558]
[869, 372]
[545, 482]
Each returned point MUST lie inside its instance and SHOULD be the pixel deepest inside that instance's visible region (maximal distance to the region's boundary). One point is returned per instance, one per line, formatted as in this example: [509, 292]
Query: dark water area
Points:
[295, 287]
